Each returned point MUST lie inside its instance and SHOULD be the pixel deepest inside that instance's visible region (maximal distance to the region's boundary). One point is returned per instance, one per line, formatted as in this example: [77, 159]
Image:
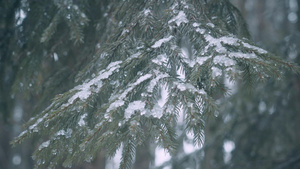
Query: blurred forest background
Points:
[253, 130]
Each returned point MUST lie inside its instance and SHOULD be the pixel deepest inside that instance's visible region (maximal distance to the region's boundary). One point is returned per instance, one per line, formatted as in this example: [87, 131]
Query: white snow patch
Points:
[140, 47]
[187, 86]
[23, 132]
[124, 31]
[85, 90]
[20, 16]
[115, 105]
[83, 15]
[44, 144]
[154, 81]
[68, 133]
[201, 91]
[134, 106]
[243, 55]
[213, 42]
[174, 6]
[33, 127]
[183, 87]
[196, 24]
[147, 12]
[120, 97]
[180, 18]
[201, 60]
[259, 50]
[216, 72]
[98, 45]
[201, 31]
[157, 111]
[136, 55]
[216, 42]
[229, 40]
[158, 43]
[160, 59]
[81, 122]
[210, 25]
[62, 132]
[223, 60]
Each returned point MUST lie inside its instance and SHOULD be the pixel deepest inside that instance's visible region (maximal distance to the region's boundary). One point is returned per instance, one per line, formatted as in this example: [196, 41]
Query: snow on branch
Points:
[118, 100]
[180, 18]
[85, 90]
[158, 43]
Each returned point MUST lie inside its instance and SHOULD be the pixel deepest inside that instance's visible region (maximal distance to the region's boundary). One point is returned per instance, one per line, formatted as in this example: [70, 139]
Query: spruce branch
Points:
[153, 63]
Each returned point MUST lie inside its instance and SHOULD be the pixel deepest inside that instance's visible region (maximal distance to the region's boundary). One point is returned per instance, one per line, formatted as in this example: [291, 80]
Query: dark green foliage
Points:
[135, 55]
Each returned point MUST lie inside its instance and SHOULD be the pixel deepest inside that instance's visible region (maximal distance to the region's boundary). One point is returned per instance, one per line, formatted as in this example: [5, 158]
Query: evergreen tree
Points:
[137, 65]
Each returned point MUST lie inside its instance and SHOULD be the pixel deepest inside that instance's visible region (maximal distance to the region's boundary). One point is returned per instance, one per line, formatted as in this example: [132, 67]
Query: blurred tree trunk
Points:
[7, 73]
